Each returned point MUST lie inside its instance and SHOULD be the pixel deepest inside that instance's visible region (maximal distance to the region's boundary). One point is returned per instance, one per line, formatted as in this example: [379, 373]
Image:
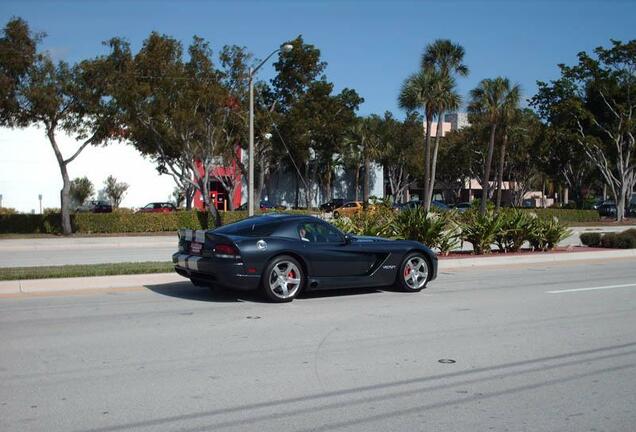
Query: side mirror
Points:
[348, 238]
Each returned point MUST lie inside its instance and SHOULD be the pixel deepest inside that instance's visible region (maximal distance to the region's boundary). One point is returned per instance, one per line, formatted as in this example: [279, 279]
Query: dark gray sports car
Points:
[284, 254]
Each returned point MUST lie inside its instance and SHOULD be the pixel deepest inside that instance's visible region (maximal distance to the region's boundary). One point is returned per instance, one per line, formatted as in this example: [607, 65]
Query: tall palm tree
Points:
[447, 99]
[490, 101]
[418, 92]
[446, 58]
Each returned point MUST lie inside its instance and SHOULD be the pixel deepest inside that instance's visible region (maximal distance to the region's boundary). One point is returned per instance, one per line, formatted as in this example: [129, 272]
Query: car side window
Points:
[313, 232]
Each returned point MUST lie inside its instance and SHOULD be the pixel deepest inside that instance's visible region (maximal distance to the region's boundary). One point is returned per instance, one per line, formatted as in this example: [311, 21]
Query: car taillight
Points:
[223, 250]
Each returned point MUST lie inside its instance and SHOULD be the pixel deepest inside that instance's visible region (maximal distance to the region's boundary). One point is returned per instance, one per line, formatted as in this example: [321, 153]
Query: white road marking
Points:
[591, 289]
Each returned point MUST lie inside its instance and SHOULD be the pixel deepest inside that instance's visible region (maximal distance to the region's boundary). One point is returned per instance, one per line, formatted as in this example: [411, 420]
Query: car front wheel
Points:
[414, 273]
[282, 279]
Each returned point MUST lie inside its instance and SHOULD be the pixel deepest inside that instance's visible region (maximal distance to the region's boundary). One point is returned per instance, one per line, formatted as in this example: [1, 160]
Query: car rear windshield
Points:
[248, 228]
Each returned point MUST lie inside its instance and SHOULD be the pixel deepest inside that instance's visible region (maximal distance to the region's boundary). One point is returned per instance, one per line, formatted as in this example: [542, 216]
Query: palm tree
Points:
[510, 115]
[447, 99]
[446, 58]
[490, 101]
[419, 93]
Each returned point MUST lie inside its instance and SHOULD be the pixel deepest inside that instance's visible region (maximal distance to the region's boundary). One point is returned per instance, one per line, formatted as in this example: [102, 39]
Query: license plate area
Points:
[195, 248]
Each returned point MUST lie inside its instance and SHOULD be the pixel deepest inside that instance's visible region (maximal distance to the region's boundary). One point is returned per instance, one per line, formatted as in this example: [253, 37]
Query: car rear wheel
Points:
[336, 214]
[283, 279]
[414, 272]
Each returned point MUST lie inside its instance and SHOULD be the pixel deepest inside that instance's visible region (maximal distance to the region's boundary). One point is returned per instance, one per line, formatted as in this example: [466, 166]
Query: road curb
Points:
[30, 286]
[455, 263]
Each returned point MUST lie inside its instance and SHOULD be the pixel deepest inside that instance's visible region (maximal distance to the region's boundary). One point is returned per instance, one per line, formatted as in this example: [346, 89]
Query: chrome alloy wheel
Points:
[415, 273]
[284, 279]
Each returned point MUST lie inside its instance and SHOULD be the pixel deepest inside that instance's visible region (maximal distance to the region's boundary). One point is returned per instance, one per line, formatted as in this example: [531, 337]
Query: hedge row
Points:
[566, 215]
[116, 222]
[622, 240]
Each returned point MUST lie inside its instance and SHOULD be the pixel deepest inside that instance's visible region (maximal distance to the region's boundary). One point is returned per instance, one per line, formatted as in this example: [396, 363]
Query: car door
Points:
[329, 255]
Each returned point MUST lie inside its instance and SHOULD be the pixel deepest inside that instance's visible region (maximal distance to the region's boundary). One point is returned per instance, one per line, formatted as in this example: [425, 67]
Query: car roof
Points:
[264, 219]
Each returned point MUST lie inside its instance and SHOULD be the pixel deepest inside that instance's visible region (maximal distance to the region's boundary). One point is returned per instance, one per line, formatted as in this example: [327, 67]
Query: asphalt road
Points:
[178, 358]
[62, 251]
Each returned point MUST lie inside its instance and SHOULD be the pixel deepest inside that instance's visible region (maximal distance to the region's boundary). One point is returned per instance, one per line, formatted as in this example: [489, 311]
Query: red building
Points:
[218, 193]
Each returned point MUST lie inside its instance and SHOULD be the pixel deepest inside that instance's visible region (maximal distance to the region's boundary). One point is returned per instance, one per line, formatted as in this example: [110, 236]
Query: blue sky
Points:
[369, 45]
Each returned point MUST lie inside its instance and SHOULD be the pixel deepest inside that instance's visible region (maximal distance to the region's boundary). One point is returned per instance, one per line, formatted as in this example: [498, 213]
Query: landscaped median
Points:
[171, 280]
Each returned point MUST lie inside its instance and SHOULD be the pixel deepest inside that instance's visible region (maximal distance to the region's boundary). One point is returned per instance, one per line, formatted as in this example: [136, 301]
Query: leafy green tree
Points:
[490, 100]
[58, 97]
[115, 190]
[81, 190]
[593, 104]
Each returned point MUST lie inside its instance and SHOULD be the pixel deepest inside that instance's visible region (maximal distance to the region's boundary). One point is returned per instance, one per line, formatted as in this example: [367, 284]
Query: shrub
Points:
[623, 240]
[547, 233]
[591, 239]
[481, 231]
[373, 222]
[516, 228]
[436, 230]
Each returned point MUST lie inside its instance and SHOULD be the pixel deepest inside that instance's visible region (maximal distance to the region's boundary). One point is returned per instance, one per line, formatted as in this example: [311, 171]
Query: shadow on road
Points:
[186, 290]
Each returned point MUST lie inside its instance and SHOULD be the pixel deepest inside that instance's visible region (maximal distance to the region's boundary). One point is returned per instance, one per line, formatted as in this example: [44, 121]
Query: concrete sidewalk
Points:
[30, 286]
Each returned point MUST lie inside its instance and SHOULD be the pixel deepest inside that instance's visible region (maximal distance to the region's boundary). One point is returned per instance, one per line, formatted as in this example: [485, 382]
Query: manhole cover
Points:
[253, 317]
[446, 361]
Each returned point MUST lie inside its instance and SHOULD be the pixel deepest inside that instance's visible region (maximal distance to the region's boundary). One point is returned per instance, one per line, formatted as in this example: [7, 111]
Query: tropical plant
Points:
[436, 230]
[515, 230]
[490, 100]
[481, 230]
[545, 234]
[446, 58]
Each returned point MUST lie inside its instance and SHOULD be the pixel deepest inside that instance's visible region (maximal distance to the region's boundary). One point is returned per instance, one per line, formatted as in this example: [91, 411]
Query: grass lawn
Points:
[17, 273]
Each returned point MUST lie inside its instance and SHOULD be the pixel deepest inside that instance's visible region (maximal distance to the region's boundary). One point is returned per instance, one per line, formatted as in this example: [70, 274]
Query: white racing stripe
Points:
[199, 236]
[193, 263]
[591, 288]
[188, 235]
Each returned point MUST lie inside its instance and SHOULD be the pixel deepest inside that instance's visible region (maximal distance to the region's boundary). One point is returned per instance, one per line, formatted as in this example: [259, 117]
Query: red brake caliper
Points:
[407, 271]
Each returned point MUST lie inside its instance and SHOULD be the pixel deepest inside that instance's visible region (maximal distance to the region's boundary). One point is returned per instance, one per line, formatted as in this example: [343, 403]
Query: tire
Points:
[336, 214]
[414, 273]
[283, 279]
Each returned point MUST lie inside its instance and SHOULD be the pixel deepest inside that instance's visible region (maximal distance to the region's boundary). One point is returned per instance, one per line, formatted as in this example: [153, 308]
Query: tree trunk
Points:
[258, 193]
[438, 137]
[204, 185]
[427, 158]
[367, 179]
[502, 158]
[189, 195]
[485, 183]
[357, 183]
[65, 193]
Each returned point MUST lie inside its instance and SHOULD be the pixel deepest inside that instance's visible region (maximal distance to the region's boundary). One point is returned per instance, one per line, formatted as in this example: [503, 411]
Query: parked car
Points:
[264, 206]
[332, 205]
[95, 207]
[435, 204]
[462, 207]
[348, 209]
[283, 255]
[608, 209]
[158, 207]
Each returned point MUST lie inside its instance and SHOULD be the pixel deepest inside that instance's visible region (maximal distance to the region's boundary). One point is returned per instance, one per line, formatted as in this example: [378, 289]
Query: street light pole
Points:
[250, 170]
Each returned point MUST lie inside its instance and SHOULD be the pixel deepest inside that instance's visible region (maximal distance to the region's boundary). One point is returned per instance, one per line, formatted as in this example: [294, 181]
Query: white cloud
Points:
[28, 168]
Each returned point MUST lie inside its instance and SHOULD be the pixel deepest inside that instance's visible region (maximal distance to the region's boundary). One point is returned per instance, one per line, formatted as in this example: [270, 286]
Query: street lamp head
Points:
[286, 47]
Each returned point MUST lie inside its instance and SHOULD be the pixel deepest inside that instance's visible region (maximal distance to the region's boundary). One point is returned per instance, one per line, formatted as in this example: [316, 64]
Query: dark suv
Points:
[95, 207]
[333, 204]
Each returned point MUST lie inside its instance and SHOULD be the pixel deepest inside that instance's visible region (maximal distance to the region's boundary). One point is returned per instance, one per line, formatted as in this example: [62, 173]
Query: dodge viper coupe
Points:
[285, 254]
